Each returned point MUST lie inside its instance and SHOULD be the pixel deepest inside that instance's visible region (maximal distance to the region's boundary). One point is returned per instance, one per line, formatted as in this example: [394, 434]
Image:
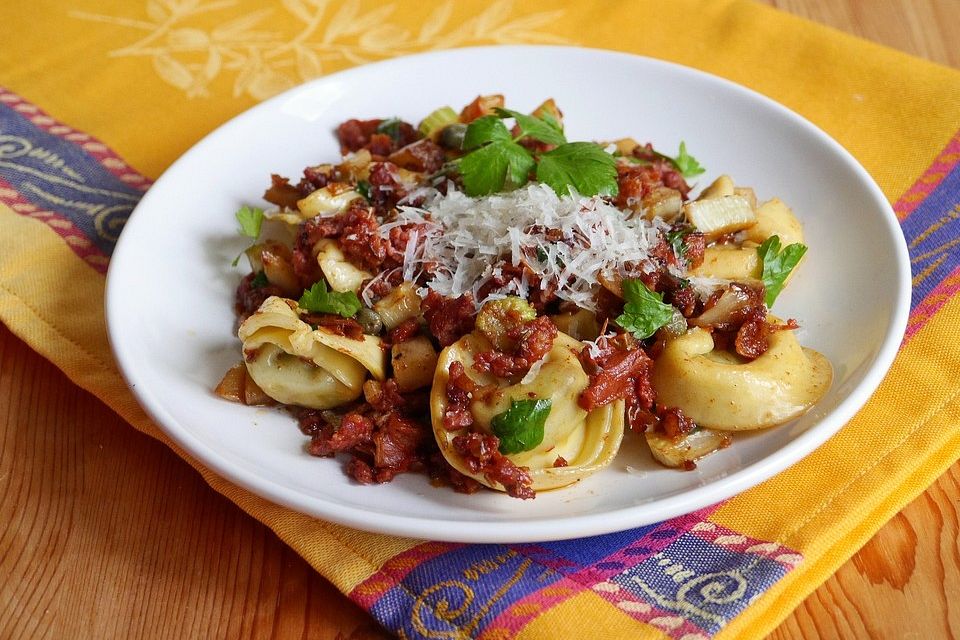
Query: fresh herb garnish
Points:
[251, 220]
[496, 161]
[550, 119]
[391, 127]
[537, 128]
[520, 428]
[484, 130]
[581, 165]
[259, 281]
[494, 167]
[644, 311]
[318, 300]
[363, 188]
[686, 164]
[777, 265]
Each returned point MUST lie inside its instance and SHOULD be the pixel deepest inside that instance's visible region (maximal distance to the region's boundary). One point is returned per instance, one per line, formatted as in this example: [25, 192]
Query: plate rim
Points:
[539, 529]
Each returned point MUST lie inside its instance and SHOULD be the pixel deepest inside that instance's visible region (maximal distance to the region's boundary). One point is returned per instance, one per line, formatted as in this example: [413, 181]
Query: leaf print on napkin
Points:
[190, 43]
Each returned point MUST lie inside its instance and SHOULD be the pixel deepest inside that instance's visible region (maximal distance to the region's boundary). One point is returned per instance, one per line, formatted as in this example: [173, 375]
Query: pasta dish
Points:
[483, 300]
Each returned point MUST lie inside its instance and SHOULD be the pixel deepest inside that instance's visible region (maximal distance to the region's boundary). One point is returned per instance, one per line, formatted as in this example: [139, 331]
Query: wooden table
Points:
[106, 533]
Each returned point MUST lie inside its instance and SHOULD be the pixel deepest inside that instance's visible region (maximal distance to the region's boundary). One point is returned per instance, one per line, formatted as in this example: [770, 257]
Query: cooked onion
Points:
[734, 299]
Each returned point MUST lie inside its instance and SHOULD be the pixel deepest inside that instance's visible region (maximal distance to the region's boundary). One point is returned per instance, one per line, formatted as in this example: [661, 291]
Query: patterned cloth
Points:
[730, 571]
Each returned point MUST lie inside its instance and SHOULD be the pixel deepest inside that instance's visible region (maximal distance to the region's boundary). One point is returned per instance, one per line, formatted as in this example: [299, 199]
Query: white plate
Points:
[170, 287]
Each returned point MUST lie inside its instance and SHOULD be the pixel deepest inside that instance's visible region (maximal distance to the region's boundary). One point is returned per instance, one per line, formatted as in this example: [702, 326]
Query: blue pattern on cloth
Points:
[932, 232]
[665, 570]
[57, 175]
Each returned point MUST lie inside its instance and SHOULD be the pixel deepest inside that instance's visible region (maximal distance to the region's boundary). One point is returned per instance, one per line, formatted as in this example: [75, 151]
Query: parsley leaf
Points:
[319, 300]
[548, 117]
[251, 220]
[496, 161]
[645, 311]
[498, 165]
[484, 130]
[777, 265]
[581, 165]
[520, 428]
[686, 163]
[391, 127]
[533, 127]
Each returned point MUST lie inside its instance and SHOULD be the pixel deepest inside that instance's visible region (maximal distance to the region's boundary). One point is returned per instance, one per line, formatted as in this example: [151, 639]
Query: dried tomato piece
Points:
[613, 376]
[385, 396]
[481, 454]
[669, 176]
[386, 189]
[752, 339]
[249, 297]
[448, 318]
[347, 327]
[460, 391]
[395, 447]
[354, 429]
[441, 472]
[424, 156]
[355, 134]
[634, 182]
[674, 423]
[361, 242]
[695, 245]
[315, 178]
[533, 341]
[404, 331]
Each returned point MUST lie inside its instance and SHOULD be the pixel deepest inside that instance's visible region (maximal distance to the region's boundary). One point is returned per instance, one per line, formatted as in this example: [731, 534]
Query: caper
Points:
[452, 136]
[370, 321]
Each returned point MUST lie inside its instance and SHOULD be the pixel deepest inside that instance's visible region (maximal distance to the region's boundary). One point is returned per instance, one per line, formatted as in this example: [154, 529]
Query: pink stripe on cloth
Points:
[603, 577]
[395, 570]
[740, 543]
[945, 161]
[929, 306]
[75, 238]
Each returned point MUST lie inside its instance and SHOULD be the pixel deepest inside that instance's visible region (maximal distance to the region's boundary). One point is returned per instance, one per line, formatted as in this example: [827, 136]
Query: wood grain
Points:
[105, 533]
[920, 27]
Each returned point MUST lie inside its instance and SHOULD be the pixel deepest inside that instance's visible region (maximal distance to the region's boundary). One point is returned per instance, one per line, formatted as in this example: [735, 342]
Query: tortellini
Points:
[337, 270]
[718, 390]
[327, 201]
[296, 364]
[400, 304]
[729, 262]
[586, 441]
[774, 218]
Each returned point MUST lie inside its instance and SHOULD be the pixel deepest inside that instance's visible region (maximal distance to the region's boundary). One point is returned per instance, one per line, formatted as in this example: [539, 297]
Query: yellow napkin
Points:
[147, 79]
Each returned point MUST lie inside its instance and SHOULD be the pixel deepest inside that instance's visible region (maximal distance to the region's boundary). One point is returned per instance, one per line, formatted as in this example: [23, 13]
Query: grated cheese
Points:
[706, 286]
[593, 346]
[465, 241]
